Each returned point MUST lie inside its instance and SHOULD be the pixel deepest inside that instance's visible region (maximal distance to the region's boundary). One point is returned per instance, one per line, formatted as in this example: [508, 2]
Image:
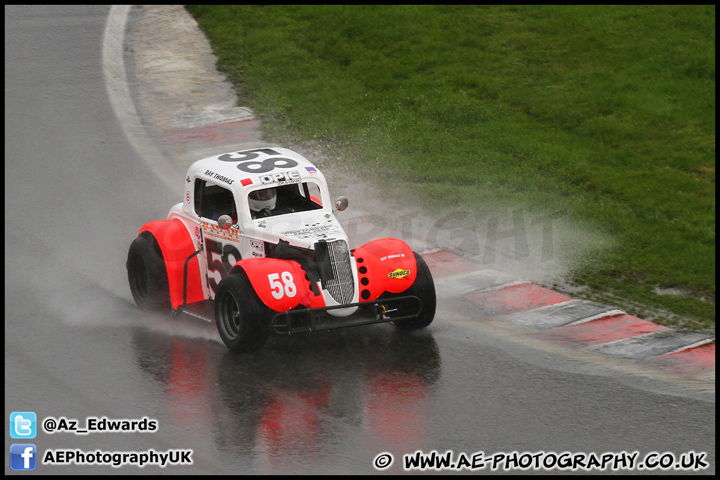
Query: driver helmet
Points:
[260, 199]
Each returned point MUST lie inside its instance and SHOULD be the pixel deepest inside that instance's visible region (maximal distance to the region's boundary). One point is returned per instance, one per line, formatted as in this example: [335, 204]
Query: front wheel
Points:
[424, 289]
[241, 317]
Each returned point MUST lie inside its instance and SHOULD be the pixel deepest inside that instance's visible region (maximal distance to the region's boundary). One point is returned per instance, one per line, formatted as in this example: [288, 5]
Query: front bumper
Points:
[305, 320]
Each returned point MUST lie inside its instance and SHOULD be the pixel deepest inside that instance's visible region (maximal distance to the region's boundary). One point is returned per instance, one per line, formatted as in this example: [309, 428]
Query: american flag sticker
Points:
[246, 181]
[311, 170]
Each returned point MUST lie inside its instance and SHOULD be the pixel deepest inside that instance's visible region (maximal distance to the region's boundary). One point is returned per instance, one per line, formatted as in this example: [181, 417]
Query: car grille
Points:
[342, 285]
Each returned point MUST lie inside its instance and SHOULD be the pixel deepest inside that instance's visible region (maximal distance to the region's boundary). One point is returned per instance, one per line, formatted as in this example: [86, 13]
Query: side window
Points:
[313, 190]
[212, 201]
[197, 194]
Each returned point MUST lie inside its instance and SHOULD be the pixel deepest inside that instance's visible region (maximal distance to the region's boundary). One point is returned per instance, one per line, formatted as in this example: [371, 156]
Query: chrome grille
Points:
[342, 285]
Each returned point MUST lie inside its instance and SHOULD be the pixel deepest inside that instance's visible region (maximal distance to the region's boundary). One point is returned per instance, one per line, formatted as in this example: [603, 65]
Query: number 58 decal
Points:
[280, 289]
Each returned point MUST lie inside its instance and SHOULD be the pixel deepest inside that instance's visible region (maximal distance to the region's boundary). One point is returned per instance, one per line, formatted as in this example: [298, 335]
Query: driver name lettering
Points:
[397, 255]
[219, 177]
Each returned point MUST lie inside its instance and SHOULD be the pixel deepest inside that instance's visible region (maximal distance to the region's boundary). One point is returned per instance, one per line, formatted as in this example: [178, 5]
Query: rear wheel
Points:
[424, 289]
[147, 274]
[243, 321]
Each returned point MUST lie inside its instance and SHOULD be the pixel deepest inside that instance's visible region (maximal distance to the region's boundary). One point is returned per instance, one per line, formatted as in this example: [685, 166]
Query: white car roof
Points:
[246, 170]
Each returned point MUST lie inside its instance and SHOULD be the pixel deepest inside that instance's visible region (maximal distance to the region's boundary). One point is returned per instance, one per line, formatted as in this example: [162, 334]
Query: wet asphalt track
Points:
[76, 346]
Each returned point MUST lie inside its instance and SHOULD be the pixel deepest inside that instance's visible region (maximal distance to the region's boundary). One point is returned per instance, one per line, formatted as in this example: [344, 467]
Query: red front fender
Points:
[384, 265]
[280, 284]
[177, 245]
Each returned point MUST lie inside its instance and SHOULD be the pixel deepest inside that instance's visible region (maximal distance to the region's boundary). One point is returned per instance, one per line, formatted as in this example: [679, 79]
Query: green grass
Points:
[605, 112]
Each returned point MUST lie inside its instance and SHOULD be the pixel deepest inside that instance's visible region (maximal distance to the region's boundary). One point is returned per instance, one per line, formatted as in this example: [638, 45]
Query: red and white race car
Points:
[255, 245]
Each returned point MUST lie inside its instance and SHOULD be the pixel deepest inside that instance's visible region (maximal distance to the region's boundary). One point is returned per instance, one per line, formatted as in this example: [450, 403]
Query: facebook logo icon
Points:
[23, 425]
[23, 456]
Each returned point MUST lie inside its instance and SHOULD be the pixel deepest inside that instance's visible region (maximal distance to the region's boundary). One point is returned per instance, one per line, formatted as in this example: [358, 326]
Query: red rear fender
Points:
[177, 245]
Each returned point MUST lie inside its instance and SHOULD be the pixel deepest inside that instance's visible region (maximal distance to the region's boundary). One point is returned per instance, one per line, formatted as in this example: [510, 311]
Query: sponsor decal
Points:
[215, 231]
[311, 170]
[257, 248]
[387, 257]
[283, 178]
[246, 181]
[399, 273]
[310, 231]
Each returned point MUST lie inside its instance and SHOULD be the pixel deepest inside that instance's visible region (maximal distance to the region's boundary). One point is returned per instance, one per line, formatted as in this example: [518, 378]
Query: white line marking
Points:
[599, 316]
[118, 90]
[700, 343]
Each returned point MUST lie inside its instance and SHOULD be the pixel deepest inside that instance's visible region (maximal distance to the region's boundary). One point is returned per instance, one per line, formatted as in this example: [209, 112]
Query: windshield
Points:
[281, 200]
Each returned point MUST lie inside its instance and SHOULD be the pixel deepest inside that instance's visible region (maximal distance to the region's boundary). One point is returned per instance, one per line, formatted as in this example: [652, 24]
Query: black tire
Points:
[147, 274]
[424, 289]
[243, 321]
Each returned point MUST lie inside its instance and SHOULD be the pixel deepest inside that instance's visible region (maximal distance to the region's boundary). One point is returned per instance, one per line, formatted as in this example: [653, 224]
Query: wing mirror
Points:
[341, 204]
[225, 222]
